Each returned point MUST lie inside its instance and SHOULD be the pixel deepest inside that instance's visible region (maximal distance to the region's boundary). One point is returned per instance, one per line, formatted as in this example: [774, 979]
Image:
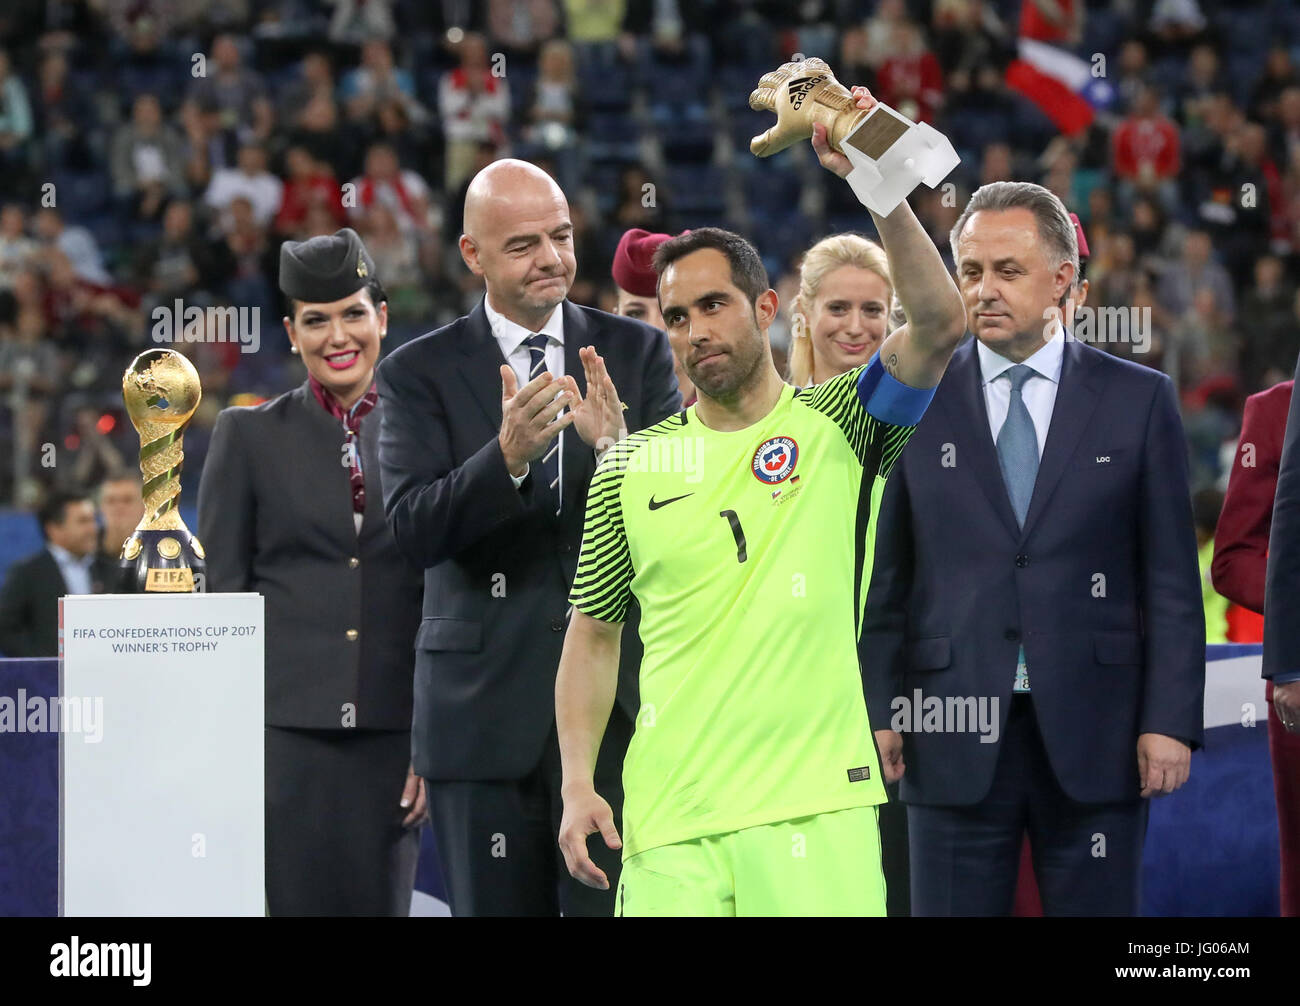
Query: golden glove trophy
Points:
[890, 153]
[161, 391]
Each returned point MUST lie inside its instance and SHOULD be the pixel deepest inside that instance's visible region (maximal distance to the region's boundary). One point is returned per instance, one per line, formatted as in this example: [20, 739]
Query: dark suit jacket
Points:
[275, 517]
[1241, 537]
[1282, 590]
[29, 603]
[498, 562]
[957, 586]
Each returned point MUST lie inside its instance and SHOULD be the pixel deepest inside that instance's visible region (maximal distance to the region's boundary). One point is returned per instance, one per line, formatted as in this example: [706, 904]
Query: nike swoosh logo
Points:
[656, 504]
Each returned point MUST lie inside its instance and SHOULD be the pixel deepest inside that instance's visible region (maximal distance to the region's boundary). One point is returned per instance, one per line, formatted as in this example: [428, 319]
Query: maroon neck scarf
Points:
[351, 422]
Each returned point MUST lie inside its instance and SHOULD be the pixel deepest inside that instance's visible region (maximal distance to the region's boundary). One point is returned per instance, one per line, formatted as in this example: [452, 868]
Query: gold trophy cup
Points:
[161, 391]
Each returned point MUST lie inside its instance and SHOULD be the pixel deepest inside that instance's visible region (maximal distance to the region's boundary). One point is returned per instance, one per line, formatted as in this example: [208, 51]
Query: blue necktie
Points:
[1018, 445]
[550, 463]
[1018, 458]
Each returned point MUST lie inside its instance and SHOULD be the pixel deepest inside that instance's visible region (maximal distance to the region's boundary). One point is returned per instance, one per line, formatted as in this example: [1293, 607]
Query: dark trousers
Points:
[335, 844]
[498, 840]
[1087, 857]
[1284, 750]
[893, 855]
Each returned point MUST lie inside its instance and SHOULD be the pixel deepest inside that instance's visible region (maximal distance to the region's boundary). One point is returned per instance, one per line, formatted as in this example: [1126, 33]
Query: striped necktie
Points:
[550, 463]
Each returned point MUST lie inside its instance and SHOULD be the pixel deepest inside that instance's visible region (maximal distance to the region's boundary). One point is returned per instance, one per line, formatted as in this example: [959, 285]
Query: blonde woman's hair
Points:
[821, 259]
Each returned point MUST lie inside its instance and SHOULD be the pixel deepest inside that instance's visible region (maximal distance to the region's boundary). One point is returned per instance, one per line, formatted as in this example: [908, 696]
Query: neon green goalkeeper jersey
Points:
[747, 551]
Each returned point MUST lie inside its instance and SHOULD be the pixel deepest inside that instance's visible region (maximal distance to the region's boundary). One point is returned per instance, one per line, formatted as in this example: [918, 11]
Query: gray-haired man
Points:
[1034, 633]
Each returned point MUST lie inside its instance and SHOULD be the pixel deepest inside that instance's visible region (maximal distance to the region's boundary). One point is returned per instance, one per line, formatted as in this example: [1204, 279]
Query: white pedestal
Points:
[161, 788]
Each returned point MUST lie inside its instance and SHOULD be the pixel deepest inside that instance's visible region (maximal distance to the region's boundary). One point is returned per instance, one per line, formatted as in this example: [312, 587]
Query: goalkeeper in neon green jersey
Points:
[751, 782]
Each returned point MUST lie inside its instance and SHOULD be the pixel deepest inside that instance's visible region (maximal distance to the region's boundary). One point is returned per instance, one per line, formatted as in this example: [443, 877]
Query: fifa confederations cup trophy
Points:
[161, 391]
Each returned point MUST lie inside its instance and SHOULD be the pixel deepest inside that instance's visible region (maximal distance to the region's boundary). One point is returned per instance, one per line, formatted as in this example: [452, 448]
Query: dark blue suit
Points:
[498, 563]
[1101, 587]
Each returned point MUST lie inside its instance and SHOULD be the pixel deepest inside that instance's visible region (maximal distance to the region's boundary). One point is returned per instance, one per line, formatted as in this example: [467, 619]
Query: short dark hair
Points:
[54, 509]
[747, 271]
[378, 295]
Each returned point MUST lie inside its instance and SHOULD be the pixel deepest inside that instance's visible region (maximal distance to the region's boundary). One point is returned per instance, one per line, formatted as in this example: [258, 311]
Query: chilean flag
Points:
[1059, 83]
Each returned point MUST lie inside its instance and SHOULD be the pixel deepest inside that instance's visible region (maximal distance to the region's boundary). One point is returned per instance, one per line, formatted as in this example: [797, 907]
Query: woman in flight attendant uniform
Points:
[290, 507]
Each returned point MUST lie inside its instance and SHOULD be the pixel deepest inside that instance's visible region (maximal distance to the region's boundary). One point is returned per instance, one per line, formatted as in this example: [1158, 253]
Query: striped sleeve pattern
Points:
[602, 586]
[876, 444]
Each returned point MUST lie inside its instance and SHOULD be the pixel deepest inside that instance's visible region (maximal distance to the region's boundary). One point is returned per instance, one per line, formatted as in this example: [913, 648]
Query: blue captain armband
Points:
[889, 399]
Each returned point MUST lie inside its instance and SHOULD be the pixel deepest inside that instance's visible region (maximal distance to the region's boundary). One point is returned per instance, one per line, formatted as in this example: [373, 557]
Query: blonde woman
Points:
[839, 318]
[841, 314]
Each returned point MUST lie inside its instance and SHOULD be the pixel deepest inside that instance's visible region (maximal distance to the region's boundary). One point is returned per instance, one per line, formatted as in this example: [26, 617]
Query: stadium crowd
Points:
[162, 151]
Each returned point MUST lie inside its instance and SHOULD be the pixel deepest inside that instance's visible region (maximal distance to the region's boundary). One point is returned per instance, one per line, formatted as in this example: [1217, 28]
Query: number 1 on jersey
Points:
[737, 532]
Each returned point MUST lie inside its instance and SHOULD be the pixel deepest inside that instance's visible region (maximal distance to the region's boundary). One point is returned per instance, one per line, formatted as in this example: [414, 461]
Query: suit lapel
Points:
[970, 412]
[316, 463]
[480, 365]
[577, 458]
[1076, 399]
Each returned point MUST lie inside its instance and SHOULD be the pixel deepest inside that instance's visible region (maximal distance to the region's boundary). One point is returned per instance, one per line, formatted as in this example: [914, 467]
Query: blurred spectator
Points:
[640, 201]
[77, 243]
[1157, 239]
[1269, 333]
[147, 160]
[1146, 151]
[1200, 343]
[474, 104]
[88, 456]
[593, 23]
[1286, 134]
[397, 263]
[317, 128]
[209, 147]
[1277, 76]
[404, 192]
[236, 91]
[15, 121]
[377, 81]
[910, 79]
[553, 111]
[122, 508]
[68, 564]
[1059, 21]
[251, 180]
[995, 166]
[180, 262]
[309, 183]
[17, 250]
[1134, 72]
[356, 21]
[521, 26]
[1202, 79]
[63, 115]
[865, 49]
[1197, 271]
[314, 78]
[1178, 24]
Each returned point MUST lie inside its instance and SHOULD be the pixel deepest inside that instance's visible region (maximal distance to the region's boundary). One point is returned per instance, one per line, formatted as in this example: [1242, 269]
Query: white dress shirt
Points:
[1038, 392]
[76, 572]
[511, 337]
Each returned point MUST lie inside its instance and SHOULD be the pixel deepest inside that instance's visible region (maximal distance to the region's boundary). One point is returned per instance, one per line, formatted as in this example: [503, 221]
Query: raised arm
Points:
[916, 353]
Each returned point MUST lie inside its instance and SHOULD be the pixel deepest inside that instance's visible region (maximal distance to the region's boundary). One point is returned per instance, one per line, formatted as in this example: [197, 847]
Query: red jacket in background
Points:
[1241, 538]
[1138, 141]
